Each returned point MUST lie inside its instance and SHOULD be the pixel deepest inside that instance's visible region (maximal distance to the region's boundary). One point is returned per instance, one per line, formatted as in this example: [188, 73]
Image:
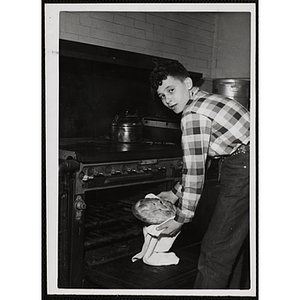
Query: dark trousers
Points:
[222, 249]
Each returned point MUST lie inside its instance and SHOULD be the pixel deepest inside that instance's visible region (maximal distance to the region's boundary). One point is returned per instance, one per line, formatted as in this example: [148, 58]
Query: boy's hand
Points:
[169, 196]
[171, 228]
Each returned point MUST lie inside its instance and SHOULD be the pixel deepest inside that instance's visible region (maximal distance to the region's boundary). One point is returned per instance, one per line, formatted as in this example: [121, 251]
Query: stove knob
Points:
[85, 178]
[108, 170]
[90, 171]
[79, 207]
[125, 169]
[80, 204]
[98, 174]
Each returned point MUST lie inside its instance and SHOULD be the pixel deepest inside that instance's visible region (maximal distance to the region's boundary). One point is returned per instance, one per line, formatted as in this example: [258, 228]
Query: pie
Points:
[153, 210]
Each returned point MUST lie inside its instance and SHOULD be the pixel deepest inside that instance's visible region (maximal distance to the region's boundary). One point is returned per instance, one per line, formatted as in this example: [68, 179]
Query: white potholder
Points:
[155, 248]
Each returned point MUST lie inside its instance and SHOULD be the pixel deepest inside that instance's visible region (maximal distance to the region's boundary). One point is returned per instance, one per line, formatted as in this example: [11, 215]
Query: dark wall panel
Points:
[97, 83]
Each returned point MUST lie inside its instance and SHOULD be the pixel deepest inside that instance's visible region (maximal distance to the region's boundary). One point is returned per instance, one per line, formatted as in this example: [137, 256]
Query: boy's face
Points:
[174, 93]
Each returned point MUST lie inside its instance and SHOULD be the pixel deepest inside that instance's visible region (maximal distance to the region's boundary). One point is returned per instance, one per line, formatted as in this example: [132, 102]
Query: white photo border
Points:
[51, 59]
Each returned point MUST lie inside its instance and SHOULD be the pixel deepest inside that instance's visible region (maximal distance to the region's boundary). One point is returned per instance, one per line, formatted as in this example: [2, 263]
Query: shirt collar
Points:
[193, 92]
[196, 93]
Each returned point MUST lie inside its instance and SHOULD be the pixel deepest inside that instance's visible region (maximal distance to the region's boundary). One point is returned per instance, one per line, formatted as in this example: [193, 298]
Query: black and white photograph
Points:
[151, 149]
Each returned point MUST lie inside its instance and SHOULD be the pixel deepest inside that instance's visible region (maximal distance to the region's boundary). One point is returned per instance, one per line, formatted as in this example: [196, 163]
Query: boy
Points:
[215, 126]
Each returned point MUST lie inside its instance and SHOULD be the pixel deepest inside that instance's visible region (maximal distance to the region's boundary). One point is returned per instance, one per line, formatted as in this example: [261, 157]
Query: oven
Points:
[99, 182]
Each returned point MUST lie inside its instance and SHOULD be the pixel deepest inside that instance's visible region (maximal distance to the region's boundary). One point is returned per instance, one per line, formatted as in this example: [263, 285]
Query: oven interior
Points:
[111, 230]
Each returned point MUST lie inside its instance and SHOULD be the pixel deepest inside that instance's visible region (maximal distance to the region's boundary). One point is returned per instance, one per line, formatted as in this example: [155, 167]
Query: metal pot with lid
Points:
[126, 129]
[235, 88]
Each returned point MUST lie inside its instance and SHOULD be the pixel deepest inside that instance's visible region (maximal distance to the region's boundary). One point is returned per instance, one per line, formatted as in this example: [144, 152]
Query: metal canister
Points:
[233, 88]
[126, 129]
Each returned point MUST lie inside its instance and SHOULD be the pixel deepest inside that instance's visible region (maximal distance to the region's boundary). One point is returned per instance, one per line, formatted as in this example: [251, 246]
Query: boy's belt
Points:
[241, 149]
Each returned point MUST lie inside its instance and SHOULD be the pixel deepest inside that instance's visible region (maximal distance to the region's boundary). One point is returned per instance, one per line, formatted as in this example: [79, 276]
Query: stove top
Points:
[91, 150]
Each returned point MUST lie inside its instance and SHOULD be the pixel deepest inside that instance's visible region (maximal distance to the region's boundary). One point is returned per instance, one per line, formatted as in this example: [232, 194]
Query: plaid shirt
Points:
[211, 125]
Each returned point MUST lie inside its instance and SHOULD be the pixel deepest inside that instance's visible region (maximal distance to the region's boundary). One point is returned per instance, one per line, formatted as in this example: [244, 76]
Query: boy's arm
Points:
[196, 131]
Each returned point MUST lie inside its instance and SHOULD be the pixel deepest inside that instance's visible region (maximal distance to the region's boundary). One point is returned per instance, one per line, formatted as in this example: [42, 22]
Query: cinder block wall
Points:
[187, 37]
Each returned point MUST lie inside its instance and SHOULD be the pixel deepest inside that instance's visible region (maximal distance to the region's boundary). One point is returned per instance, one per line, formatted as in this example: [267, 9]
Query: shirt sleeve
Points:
[177, 189]
[196, 131]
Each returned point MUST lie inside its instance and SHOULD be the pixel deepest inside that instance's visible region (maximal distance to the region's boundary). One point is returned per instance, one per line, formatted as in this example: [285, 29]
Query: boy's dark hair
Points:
[162, 71]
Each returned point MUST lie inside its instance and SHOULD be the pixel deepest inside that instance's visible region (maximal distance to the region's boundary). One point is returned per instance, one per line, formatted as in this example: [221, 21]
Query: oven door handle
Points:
[128, 178]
